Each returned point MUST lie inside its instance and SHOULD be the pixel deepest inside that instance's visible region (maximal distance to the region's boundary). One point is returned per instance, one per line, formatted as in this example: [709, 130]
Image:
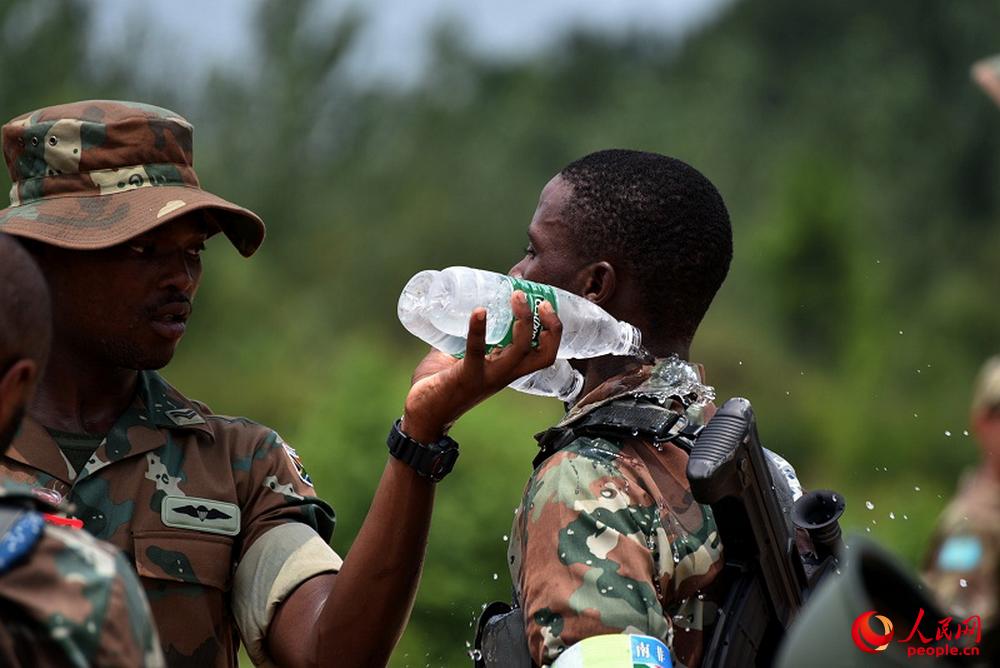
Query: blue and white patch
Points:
[22, 533]
[648, 651]
[960, 553]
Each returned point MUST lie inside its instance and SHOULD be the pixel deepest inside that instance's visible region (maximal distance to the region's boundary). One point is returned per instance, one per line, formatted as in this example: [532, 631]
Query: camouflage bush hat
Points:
[93, 174]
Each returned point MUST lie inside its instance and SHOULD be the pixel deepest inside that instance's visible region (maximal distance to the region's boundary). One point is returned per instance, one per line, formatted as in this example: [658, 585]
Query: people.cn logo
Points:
[867, 638]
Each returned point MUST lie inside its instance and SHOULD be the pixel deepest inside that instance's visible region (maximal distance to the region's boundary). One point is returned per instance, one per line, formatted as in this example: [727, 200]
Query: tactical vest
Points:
[501, 640]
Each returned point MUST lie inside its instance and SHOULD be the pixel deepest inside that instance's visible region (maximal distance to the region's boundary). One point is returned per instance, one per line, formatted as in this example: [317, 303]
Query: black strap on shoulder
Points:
[628, 418]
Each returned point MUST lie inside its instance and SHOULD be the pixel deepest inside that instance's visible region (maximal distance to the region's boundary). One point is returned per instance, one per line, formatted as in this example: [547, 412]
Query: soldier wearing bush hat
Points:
[216, 513]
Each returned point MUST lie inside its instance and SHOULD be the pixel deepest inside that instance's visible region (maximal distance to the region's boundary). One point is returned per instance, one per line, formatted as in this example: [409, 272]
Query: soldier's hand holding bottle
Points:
[444, 388]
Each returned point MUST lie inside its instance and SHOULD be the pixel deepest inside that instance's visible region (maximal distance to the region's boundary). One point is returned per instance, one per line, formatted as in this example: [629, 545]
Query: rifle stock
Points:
[767, 579]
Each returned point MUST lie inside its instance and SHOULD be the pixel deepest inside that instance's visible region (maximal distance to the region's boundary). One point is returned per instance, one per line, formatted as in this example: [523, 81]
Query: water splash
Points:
[673, 377]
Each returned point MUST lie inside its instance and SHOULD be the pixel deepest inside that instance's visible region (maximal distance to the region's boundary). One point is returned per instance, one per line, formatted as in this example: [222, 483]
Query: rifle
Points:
[768, 577]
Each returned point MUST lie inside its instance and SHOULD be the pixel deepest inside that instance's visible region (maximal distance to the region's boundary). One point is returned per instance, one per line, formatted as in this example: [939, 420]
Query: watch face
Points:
[439, 466]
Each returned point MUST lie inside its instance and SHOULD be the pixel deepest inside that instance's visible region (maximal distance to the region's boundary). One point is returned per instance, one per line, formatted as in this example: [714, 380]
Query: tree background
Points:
[859, 164]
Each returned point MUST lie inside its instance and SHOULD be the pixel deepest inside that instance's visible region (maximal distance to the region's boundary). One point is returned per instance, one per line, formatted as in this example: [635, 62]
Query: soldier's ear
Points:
[599, 282]
[16, 388]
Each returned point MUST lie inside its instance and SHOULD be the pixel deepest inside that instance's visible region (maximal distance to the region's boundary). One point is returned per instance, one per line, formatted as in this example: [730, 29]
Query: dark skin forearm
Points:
[359, 615]
[356, 617]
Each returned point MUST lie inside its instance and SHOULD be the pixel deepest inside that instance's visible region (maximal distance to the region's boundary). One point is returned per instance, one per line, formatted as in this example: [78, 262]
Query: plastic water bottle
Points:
[559, 380]
[435, 306]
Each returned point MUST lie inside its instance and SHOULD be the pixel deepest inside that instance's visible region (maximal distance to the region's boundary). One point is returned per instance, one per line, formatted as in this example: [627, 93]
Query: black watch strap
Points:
[430, 460]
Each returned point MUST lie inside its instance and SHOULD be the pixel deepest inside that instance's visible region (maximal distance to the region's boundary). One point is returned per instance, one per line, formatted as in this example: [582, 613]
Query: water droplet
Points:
[741, 362]
[965, 432]
[963, 583]
[915, 415]
[892, 516]
[906, 517]
[495, 576]
[916, 488]
[900, 331]
[947, 433]
[868, 529]
[869, 505]
[505, 538]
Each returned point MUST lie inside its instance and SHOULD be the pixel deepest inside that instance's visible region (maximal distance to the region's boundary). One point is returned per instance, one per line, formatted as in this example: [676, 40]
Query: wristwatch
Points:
[430, 460]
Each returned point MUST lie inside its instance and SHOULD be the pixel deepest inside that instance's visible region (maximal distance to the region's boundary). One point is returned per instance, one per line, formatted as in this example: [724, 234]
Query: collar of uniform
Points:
[641, 380]
[34, 447]
[156, 406]
[159, 404]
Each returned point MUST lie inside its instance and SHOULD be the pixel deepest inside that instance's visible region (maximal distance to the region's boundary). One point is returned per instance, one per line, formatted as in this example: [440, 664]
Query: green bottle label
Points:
[536, 294]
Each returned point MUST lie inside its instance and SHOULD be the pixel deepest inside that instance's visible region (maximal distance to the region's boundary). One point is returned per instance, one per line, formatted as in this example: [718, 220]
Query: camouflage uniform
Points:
[964, 556]
[598, 546]
[67, 599]
[215, 513]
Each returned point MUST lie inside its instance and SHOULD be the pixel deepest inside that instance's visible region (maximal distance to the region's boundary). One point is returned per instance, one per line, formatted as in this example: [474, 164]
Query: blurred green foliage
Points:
[859, 163]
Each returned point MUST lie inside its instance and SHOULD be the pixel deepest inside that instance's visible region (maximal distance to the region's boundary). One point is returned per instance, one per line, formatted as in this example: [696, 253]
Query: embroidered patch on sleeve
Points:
[296, 461]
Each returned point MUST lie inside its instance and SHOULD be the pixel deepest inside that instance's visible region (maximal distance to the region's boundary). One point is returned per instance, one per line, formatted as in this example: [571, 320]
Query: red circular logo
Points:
[867, 638]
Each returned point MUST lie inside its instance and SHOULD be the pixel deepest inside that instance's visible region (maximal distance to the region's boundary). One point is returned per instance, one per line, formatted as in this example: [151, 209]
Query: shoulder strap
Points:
[628, 418]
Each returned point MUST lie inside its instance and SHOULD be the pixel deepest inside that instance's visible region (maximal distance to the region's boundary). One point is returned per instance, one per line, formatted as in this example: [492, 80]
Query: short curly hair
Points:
[661, 221]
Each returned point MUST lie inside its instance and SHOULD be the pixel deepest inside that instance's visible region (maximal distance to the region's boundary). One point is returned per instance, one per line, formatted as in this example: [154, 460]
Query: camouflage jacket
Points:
[67, 599]
[963, 563]
[215, 513]
[603, 544]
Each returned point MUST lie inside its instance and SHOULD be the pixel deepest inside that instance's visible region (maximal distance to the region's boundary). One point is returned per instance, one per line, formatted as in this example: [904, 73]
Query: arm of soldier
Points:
[384, 563]
[986, 73]
[590, 544]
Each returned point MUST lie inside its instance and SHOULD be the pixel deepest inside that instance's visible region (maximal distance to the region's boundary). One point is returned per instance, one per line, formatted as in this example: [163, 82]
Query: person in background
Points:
[986, 73]
[962, 566]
